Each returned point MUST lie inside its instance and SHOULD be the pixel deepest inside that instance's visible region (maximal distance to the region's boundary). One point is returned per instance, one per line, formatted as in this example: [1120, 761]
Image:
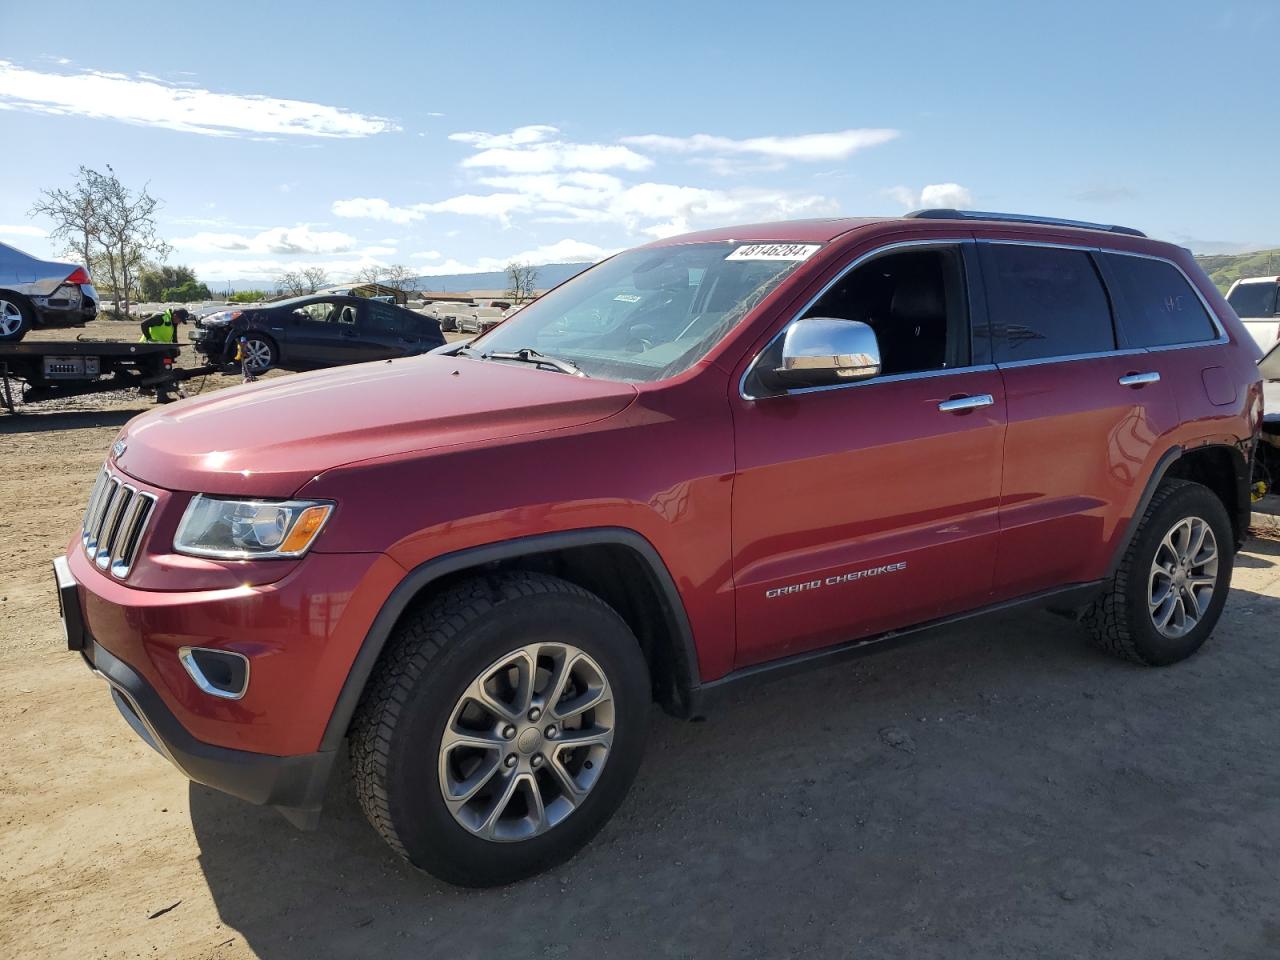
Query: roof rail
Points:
[943, 213]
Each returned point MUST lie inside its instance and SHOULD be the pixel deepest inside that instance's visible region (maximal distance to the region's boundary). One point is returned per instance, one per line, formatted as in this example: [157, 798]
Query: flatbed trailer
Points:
[70, 368]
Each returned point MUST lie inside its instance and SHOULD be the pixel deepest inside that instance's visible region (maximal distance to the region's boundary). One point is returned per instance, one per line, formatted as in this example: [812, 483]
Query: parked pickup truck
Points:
[1256, 300]
[753, 449]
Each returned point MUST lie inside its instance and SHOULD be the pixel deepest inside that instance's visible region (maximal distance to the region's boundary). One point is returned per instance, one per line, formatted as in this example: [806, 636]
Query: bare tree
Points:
[76, 214]
[292, 283]
[368, 275]
[522, 278]
[127, 234]
[315, 278]
[399, 277]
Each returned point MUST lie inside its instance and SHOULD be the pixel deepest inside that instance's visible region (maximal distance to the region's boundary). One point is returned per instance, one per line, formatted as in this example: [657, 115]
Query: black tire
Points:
[435, 653]
[1120, 620]
[15, 306]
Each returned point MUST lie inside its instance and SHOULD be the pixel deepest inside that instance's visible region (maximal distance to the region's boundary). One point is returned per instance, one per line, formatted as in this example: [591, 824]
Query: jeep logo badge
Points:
[118, 448]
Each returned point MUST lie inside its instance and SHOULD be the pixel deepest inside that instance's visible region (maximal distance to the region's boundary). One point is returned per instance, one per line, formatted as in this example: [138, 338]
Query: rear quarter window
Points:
[1158, 307]
[1045, 302]
[1254, 299]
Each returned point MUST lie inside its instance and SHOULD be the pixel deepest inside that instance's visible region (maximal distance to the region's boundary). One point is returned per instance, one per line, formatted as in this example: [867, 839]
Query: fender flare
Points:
[415, 580]
[1158, 473]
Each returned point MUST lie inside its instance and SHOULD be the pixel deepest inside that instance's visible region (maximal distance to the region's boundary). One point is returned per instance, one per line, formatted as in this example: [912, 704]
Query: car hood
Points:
[270, 438]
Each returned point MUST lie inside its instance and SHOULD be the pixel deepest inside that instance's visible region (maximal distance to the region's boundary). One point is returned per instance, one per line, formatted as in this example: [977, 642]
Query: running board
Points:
[1071, 601]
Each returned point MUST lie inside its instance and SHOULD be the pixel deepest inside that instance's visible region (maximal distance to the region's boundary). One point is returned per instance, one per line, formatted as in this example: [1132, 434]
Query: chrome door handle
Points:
[1138, 379]
[960, 404]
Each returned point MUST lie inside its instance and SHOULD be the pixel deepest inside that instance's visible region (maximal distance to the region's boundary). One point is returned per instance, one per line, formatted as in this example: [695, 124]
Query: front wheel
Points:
[502, 729]
[260, 354]
[1172, 583]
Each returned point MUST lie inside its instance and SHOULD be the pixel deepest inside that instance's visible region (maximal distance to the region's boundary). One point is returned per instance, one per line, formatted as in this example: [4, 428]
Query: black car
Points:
[319, 330]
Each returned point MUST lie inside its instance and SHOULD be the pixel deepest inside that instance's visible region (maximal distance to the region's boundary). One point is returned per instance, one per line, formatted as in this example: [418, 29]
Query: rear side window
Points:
[1158, 306]
[1254, 299]
[1044, 302]
[385, 319]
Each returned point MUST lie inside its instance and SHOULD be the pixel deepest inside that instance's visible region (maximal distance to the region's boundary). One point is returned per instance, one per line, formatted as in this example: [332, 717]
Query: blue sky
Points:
[457, 136]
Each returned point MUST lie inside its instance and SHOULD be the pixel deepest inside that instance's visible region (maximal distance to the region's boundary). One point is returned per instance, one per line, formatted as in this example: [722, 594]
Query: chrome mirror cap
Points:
[817, 351]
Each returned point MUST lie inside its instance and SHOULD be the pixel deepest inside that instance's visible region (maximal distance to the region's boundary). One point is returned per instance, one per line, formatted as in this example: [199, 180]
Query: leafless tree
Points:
[522, 278]
[291, 283]
[75, 213]
[128, 234]
[315, 278]
[368, 275]
[400, 277]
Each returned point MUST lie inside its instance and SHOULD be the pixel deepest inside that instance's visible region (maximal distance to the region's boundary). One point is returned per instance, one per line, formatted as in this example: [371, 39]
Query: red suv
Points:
[699, 462]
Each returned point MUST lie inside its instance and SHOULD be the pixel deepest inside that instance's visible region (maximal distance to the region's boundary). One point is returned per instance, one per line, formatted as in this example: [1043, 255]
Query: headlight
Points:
[218, 319]
[250, 529]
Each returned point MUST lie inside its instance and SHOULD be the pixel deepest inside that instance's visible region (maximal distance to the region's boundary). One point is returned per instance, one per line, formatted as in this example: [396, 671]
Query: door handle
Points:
[961, 404]
[1139, 379]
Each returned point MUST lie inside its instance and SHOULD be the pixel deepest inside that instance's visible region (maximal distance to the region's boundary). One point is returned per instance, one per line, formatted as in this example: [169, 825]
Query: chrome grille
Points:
[114, 522]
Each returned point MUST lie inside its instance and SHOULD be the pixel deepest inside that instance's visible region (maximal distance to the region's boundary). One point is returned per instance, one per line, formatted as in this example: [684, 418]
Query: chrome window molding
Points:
[853, 265]
[1032, 361]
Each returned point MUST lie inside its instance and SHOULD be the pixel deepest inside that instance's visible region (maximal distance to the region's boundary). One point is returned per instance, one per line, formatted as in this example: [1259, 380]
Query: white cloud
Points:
[945, 195]
[837, 145]
[562, 251]
[21, 230]
[149, 101]
[536, 149]
[265, 270]
[375, 208]
[426, 255]
[278, 240]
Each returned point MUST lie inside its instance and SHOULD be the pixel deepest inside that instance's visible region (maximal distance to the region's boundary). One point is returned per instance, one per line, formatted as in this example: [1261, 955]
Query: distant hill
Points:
[549, 275]
[1225, 269]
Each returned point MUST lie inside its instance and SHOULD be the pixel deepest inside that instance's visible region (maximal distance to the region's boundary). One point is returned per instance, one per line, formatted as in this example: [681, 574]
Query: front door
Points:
[325, 333]
[872, 506]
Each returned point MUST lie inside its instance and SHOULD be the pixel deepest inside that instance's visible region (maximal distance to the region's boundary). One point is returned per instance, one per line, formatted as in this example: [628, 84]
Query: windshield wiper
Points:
[530, 355]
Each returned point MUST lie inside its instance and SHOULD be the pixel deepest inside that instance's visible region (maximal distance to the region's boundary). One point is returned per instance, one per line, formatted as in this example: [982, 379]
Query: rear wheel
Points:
[1172, 583]
[17, 316]
[503, 727]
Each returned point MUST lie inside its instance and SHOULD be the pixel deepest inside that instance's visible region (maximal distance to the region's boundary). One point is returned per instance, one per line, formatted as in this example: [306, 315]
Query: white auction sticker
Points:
[775, 251]
[627, 298]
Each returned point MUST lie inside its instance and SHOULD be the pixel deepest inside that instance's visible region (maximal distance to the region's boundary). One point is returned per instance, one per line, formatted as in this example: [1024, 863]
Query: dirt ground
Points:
[997, 790]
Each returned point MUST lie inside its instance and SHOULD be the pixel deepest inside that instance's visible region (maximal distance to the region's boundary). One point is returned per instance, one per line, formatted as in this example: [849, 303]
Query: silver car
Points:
[37, 293]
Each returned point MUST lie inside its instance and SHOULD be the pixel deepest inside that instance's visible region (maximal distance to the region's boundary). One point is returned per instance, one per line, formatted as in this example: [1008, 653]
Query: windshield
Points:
[648, 314]
[1254, 299]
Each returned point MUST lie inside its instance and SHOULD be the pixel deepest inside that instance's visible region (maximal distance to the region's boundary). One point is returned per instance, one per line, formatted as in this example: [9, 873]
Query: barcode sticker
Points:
[775, 251]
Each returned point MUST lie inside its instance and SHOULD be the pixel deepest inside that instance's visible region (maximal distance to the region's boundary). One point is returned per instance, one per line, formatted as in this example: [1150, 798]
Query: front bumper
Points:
[211, 342]
[294, 785]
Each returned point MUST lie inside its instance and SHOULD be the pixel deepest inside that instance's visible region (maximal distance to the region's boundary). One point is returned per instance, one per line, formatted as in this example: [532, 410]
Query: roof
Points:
[824, 230]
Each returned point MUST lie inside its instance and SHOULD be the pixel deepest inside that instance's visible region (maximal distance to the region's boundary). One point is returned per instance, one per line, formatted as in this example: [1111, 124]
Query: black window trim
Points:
[1103, 277]
[964, 243]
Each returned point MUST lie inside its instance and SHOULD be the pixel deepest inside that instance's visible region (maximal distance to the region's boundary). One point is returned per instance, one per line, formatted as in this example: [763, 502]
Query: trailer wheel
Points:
[17, 316]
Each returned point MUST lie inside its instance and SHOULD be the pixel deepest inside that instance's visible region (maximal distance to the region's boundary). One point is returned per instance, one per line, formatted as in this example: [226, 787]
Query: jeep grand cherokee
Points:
[699, 462]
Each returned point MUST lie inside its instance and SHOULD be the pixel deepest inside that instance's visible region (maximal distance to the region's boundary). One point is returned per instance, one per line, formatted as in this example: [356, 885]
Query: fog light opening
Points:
[219, 673]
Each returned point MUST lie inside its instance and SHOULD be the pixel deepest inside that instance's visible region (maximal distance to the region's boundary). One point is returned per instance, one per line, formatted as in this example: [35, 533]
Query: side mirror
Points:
[820, 351]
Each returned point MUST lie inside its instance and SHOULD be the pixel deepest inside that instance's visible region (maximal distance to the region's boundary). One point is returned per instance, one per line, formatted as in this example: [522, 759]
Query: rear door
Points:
[1084, 415]
[865, 507]
[396, 332]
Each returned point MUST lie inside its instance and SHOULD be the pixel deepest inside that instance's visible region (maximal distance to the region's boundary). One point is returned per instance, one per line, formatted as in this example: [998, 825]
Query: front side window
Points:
[1254, 299]
[1159, 306]
[914, 300]
[648, 314]
[325, 312]
[1044, 302]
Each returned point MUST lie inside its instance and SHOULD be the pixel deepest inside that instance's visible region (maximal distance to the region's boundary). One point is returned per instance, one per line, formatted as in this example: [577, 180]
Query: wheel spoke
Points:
[583, 738]
[1162, 615]
[537, 809]
[559, 681]
[500, 804]
[460, 793]
[569, 787]
[1196, 536]
[1155, 602]
[456, 737]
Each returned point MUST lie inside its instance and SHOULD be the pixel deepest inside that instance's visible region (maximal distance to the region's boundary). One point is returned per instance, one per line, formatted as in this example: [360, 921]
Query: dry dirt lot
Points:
[996, 790]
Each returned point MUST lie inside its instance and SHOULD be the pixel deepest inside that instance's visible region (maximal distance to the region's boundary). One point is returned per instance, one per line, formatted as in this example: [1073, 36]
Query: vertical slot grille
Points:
[114, 523]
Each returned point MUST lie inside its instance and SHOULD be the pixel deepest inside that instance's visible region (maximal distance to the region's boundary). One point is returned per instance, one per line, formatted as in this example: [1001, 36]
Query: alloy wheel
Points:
[257, 355]
[1183, 577]
[526, 742]
[10, 318]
